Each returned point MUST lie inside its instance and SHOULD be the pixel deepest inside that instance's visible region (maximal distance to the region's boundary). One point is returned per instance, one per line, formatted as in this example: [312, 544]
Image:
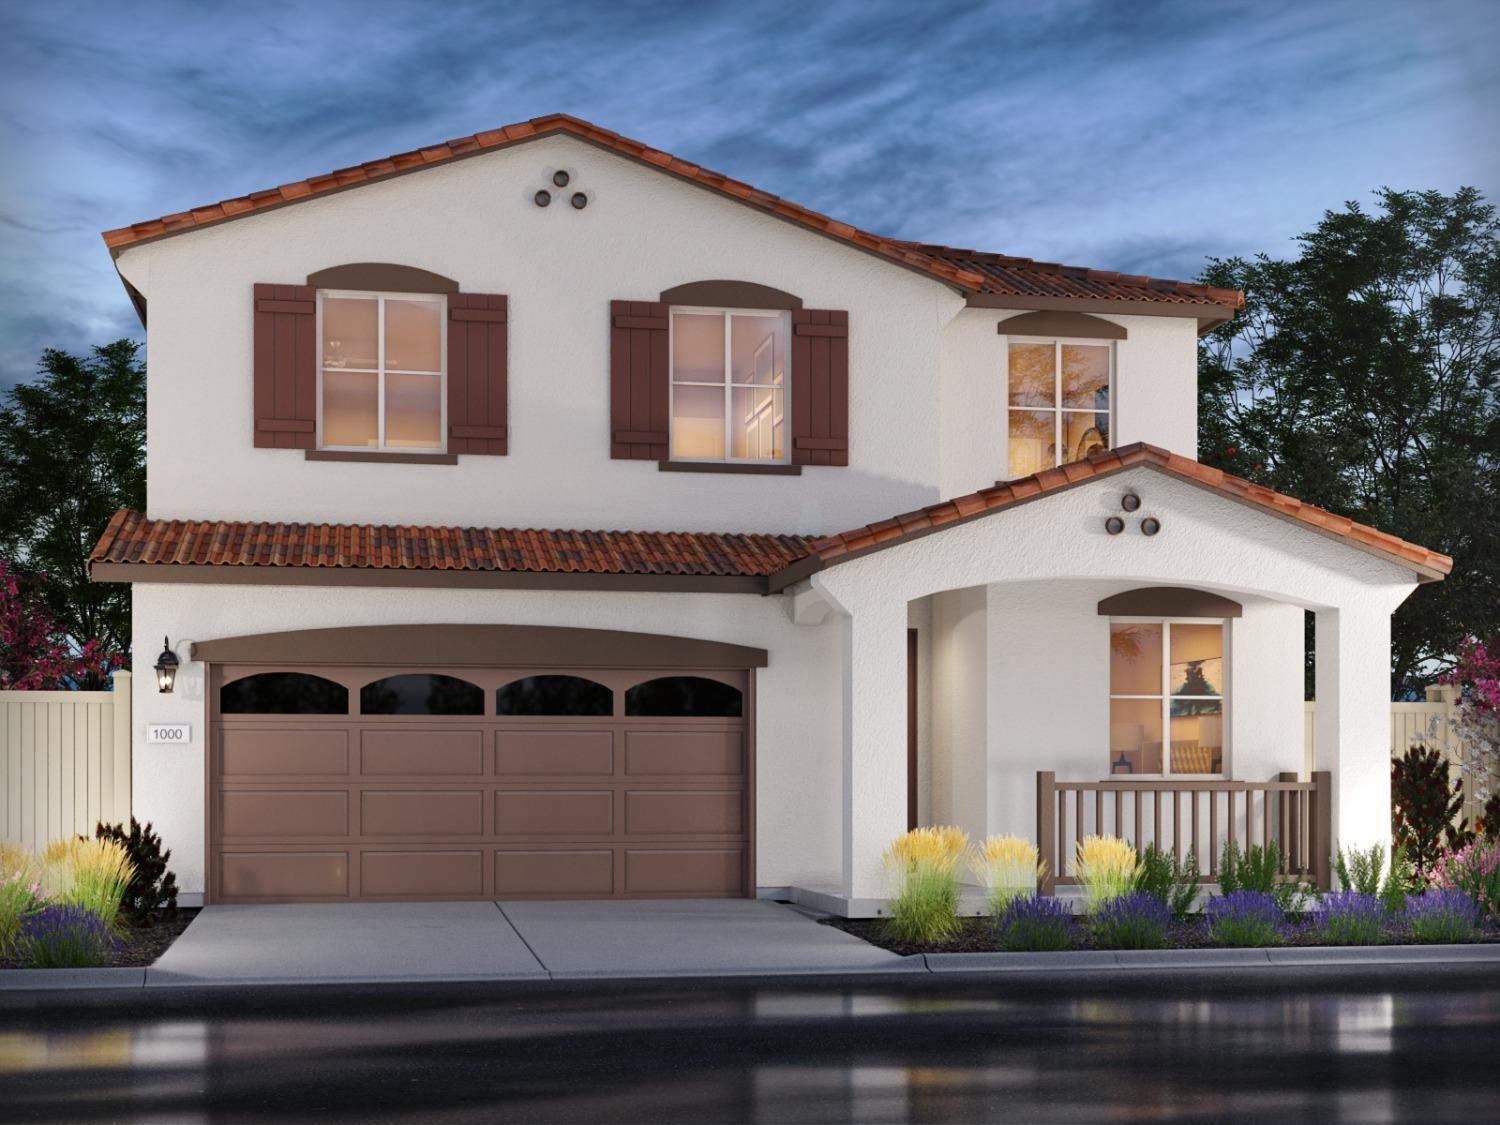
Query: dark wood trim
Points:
[912, 649]
[272, 575]
[751, 889]
[729, 467]
[1169, 601]
[1209, 316]
[730, 295]
[388, 458]
[530, 646]
[1056, 323]
[382, 276]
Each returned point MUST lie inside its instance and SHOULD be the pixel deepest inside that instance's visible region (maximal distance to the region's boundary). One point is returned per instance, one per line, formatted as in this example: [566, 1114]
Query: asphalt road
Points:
[1407, 1045]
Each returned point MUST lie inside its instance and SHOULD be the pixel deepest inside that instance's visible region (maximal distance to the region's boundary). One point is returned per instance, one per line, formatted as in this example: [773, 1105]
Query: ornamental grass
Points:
[1008, 867]
[924, 867]
[1107, 867]
[19, 888]
[92, 874]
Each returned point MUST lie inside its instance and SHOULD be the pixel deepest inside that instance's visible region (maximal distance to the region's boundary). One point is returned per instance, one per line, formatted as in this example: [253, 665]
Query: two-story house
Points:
[541, 515]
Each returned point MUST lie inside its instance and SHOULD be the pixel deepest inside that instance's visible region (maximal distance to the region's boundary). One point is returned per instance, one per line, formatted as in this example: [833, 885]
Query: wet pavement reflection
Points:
[1424, 1046]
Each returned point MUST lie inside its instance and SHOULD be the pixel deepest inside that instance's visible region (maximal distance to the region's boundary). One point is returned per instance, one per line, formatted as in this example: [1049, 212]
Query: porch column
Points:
[1353, 732]
[874, 804]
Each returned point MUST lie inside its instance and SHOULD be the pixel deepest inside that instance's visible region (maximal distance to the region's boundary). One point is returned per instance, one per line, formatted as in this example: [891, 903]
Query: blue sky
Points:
[1133, 135]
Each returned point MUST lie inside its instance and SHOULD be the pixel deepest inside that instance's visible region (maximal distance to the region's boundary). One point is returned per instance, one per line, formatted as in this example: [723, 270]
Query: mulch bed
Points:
[979, 936]
[138, 947]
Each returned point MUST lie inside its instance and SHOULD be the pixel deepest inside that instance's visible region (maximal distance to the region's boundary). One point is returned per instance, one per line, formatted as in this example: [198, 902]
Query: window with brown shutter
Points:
[285, 366]
[477, 374]
[820, 387]
[640, 382]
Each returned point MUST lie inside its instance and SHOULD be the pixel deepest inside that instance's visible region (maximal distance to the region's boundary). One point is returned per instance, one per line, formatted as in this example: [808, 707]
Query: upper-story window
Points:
[1058, 403]
[380, 376]
[729, 385]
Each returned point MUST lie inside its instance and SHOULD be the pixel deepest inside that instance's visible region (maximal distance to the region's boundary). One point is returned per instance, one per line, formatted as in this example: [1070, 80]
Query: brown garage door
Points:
[346, 782]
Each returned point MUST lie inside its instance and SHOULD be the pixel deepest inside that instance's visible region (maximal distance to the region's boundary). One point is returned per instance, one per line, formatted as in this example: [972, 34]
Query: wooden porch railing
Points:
[1180, 815]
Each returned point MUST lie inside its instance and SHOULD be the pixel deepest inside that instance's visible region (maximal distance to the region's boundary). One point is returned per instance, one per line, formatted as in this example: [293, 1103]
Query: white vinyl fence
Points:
[64, 762]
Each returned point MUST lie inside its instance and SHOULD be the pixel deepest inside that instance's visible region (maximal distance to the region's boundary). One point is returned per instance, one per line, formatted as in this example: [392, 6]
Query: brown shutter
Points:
[477, 374]
[286, 360]
[820, 387]
[639, 382]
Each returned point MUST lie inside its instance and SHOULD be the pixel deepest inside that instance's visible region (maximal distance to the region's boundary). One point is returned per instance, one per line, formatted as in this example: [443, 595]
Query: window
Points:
[555, 695]
[729, 385]
[1166, 676]
[283, 693]
[380, 379]
[421, 693]
[689, 697]
[1058, 403]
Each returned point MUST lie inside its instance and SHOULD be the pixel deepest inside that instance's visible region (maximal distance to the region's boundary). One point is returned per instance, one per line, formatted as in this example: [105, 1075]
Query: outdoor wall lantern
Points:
[1150, 526]
[1130, 501]
[166, 667]
[1114, 525]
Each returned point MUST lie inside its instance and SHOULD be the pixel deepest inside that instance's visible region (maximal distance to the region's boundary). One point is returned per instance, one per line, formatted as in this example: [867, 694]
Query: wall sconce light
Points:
[1150, 526]
[1130, 501]
[1114, 525]
[166, 667]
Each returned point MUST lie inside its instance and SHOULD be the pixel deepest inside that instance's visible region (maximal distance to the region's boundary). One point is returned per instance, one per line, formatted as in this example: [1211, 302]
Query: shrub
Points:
[153, 889]
[1489, 823]
[1130, 921]
[1400, 881]
[1008, 867]
[67, 937]
[1258, 869]
[1107, 867]
[1442, 916]
[924, 863]
[1423, 805]
[1172, 882]
[1351, 918]
[1031, 924]
[18, 891]
[1244, 918]
[1359, 871]
[1473, 870]
[92, 874]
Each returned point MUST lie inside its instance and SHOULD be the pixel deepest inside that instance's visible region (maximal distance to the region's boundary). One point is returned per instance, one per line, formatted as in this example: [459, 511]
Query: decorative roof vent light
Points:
[1130, 502]
[542, 198]
[1150, 526]
[560, 178]
[1114, 525]
[166, 667]
[580, 201]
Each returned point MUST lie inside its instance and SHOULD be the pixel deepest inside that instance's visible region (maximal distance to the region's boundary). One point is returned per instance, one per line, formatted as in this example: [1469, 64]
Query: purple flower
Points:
[1245, 919]
[1033, 924]
[1351, 918]
[1133, 921]
[1442, 916]
[67, 937]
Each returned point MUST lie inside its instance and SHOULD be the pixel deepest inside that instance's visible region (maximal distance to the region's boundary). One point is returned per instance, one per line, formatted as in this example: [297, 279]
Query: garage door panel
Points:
[684, 752]
[684, 812]
[260, 813]
[704, 871]
[284, 752]
[531, 812]
[555, 753]
[323, 874]
[416, 874]
[559, 873]
[421, 812]
[429, 753]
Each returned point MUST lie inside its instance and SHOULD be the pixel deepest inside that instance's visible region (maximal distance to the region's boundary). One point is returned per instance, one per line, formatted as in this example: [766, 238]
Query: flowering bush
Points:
[34, 653]
[67, 937]
[1030, 924]
[19, 888]
[1476, 674]
[1244, 918]
[1107, 867]
[1009, 867]
[924, 865]
[1351, 918]
[1130, 921]
[1441, 916]
[1473, 870]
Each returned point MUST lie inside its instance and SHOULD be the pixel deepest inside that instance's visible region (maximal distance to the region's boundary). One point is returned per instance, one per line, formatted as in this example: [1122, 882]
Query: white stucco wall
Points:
[797, 716]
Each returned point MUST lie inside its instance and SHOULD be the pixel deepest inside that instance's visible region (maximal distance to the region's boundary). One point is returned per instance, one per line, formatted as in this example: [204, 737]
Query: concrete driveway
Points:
[389, 942]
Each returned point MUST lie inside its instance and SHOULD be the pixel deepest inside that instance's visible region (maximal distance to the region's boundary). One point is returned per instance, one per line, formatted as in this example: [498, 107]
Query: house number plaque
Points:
[174, 734]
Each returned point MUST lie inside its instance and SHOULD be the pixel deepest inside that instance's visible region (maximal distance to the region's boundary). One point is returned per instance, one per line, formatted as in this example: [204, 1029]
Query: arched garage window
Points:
[693, 697]
[283, 693]
[421, 693]
[555, 695]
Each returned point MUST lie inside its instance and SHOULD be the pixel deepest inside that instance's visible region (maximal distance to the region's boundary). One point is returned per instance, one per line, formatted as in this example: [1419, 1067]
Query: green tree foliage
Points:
[1362, 377]
[72, 451]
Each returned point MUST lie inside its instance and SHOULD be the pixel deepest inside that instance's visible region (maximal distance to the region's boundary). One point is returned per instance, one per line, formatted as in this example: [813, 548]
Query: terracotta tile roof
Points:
[872, 537]
[969, 270]
[132, 538]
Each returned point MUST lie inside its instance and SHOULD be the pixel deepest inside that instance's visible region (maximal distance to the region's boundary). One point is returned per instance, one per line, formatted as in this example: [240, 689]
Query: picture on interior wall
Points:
[1198, 677]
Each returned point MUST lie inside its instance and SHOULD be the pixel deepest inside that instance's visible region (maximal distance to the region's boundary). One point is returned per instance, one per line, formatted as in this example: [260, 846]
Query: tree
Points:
[72, 451]
[1362, 377]
[34, 655]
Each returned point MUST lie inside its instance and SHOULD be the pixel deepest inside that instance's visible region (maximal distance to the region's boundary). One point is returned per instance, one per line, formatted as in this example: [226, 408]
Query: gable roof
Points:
[968, 271]
[865, 540]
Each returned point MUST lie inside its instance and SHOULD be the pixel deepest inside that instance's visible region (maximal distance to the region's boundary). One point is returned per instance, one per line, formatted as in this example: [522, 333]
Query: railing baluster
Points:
[1078, 812]
[1099, 812]
[1213, 832]
[1139, 796]
[1119, 812]
[1194, 848]
[1063, 858]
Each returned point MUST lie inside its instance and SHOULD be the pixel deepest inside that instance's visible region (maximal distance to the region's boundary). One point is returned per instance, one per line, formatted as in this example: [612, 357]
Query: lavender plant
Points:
[1442, 916]
[1244, 919]
[1351, 918]
[1130, 921]
[67, 937]
[1032, 924]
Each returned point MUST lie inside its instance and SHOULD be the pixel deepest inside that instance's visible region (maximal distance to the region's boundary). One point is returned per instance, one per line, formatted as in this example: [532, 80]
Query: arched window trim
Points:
[321, 681]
